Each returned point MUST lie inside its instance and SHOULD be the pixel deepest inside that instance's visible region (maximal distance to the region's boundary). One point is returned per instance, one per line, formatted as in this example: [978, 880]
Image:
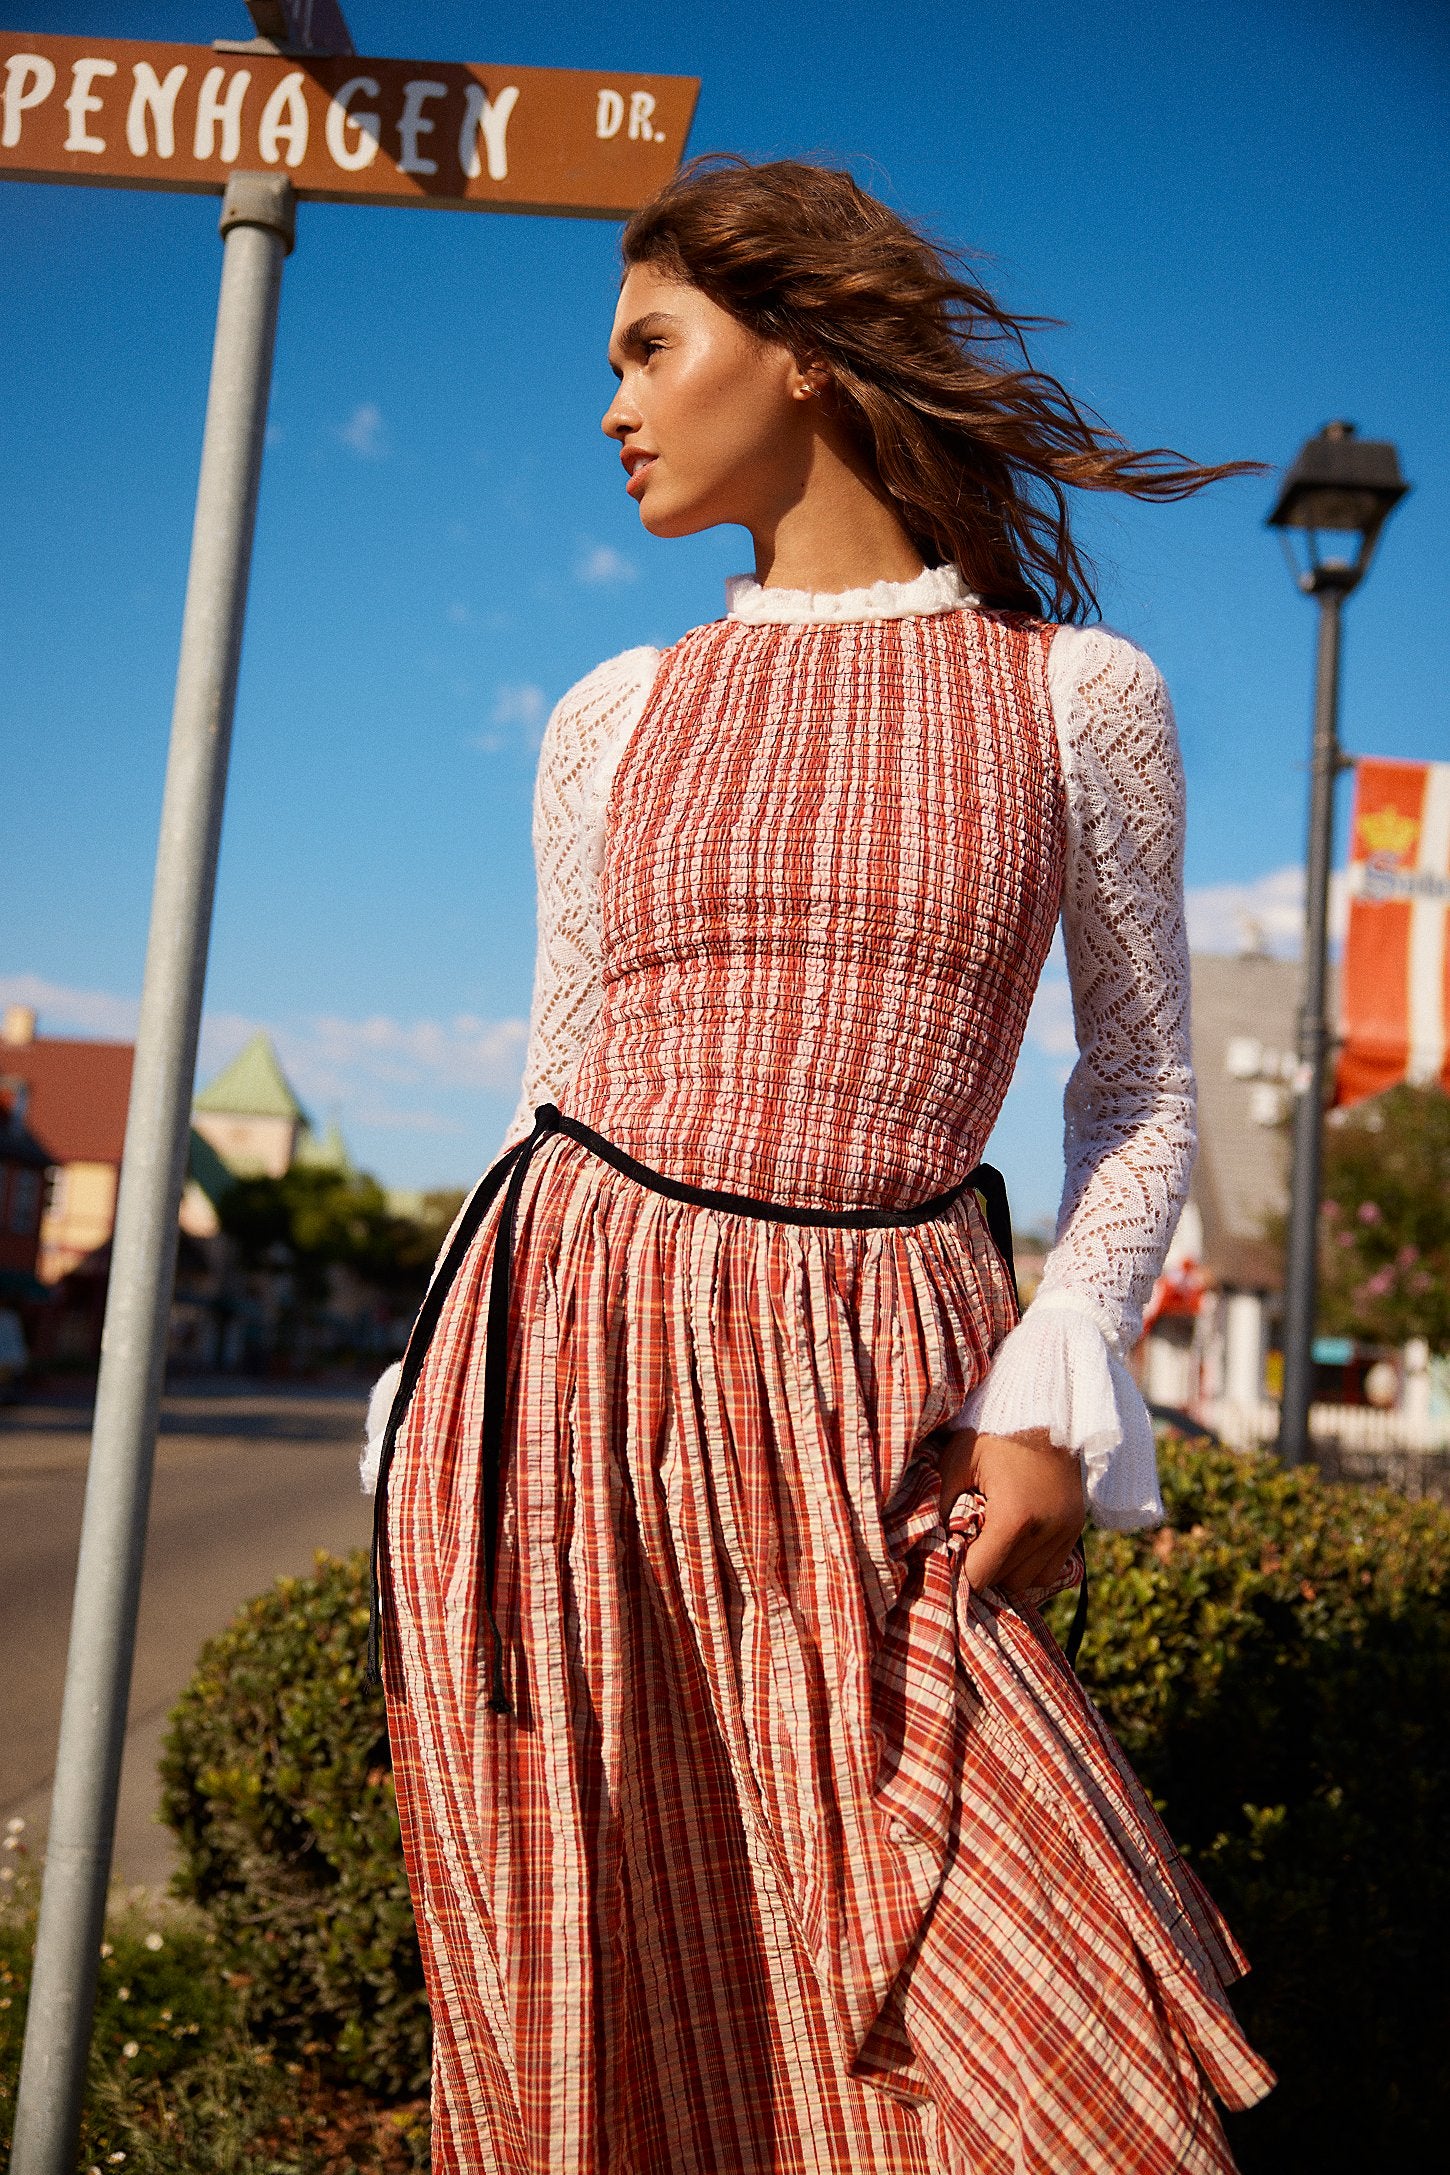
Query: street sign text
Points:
[342, 129]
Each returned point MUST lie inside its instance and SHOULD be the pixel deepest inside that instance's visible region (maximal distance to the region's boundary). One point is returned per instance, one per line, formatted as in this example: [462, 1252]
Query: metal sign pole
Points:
[257, 224]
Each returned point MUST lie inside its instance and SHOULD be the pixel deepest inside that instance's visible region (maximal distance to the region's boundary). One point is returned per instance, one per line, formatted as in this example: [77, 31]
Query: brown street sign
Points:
[460, 136]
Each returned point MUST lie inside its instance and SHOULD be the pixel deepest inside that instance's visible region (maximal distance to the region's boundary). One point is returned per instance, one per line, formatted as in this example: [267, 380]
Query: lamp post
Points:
[1337, 497]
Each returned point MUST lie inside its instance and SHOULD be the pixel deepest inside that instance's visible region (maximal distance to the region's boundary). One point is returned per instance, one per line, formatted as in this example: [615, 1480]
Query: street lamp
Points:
[1334, 501]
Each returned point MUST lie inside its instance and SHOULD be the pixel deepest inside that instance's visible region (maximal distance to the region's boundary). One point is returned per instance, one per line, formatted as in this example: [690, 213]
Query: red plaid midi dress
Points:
[795, 1855]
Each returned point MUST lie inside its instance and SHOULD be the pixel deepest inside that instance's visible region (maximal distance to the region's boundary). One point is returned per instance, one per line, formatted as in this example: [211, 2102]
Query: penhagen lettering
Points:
[341, 128]
[148, 113]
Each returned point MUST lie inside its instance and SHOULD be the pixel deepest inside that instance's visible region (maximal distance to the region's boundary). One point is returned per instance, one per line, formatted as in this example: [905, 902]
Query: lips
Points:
[638, 464]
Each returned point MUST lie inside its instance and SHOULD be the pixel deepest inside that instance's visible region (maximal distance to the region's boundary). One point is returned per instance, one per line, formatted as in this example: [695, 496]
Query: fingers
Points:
[990, 1559]
[1035, 1509]
[954, 1468]
[1016, 1560]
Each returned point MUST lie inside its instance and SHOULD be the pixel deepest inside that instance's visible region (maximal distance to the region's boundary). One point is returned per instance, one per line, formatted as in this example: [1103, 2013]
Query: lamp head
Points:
[1340, 487]
[302, 26]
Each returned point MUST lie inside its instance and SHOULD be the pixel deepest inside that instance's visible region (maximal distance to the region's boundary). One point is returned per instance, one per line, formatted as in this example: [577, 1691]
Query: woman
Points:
[753, 1820]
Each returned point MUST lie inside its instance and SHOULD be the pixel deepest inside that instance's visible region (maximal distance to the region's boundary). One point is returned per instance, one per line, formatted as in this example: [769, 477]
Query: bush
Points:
[160, 2000]
[175, 2079]
[1275, 1662]
[277, 1779]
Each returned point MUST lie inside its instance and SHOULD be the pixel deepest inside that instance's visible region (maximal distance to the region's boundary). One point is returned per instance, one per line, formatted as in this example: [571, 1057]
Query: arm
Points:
[1130, 1101]
[582, 745]
[583, 742]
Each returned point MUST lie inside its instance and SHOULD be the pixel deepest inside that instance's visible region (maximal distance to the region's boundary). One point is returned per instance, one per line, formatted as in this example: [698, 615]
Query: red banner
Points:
[1395, 988]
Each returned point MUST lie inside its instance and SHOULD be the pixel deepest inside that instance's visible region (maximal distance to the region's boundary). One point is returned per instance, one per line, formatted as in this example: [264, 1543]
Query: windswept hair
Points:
[928, 372]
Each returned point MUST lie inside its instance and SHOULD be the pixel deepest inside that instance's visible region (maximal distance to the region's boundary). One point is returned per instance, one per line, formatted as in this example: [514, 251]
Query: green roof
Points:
[207, 1168]
[325, 1152]
[253, 1085]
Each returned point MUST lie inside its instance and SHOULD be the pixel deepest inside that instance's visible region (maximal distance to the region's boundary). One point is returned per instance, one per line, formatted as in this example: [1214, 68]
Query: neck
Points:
[840, 530]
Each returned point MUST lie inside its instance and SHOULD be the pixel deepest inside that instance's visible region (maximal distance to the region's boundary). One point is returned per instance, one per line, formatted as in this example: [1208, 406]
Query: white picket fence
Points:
[1350, 1427]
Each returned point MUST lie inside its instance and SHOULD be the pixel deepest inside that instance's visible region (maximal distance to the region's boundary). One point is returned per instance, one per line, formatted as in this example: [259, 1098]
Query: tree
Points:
[1384, 1233]
[314, 1219]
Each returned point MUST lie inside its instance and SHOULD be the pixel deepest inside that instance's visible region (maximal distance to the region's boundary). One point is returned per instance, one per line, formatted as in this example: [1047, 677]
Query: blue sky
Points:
[1240, 210]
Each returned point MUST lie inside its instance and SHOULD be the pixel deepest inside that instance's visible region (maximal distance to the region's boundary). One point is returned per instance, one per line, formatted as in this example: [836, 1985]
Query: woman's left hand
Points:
[1036, 1506]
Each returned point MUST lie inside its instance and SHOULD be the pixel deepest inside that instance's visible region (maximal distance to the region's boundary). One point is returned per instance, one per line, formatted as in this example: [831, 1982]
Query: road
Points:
[249, 1483]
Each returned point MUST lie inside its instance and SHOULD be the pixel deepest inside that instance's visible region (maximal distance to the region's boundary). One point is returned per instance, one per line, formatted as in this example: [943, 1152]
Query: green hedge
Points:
[1275, 1661]
[177, 2083]
[277, 1780]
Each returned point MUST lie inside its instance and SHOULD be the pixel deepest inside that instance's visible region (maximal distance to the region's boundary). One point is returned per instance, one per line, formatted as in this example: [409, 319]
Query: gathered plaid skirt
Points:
[795, 1853]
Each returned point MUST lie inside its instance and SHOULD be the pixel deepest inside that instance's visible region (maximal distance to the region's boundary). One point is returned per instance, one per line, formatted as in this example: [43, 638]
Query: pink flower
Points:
[1369, 1212]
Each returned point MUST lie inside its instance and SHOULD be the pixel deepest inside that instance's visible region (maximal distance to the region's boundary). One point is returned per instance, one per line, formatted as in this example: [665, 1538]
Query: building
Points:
[1245, 1022]
[1213, 1320]
[1212, 1342]
[23, 1167]
[74, 1096]
[250, 1115]
[75, 1107]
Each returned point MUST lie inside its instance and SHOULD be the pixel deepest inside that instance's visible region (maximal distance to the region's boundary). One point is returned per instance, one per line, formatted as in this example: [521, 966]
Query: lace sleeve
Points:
[583, 742]
[1129, 1104]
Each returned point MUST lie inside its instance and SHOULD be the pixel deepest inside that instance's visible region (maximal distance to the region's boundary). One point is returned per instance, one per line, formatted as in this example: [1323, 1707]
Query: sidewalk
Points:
[250, 1481]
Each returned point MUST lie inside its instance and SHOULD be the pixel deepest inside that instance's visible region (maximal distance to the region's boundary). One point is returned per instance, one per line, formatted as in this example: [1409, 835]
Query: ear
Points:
[809, 378]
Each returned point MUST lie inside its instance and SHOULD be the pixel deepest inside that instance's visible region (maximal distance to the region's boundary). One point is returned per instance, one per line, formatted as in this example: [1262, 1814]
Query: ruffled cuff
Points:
[1057, 1370]
[380, 1404]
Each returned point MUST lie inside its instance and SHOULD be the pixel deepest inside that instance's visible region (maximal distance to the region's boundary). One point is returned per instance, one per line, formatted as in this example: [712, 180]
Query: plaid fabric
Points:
[825, 906]
[799, 1857]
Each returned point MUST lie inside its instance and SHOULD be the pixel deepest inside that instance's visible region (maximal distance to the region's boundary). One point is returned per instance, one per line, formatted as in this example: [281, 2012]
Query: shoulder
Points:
[606, 693]
[1099, 661]
[594, 718]
[1110, 702]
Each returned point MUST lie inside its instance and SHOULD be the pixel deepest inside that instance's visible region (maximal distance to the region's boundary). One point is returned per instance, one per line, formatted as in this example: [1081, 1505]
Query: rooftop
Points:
[253, 1085]
[77, 1095]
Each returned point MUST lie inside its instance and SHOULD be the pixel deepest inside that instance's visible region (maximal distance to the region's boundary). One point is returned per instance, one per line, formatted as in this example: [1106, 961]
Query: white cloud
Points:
[465, 1051]
[1267, 912]
[89, 1014]
[518, 707]
[600, 563]
[1049, 1024]
[520, 703]
[405, 1121]
[329, 1059]
[364, 431]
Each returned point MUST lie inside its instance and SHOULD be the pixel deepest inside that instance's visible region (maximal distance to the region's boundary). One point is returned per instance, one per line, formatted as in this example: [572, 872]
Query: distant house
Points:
[76, 1095]
[1213, 1332]
[250, 1115]
[23, 1167]
[324, 1151]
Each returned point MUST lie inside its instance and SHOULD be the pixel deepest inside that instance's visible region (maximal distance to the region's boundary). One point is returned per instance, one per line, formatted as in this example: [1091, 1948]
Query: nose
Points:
[619, 418]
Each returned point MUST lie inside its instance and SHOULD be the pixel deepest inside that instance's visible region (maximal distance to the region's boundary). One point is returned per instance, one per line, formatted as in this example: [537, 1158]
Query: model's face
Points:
[713, 425]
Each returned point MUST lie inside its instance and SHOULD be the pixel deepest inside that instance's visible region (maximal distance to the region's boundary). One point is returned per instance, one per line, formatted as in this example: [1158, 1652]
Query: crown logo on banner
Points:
[1385, 831]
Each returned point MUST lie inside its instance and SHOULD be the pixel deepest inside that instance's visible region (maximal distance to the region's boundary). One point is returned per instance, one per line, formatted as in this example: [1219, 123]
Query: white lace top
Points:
[1130, 1100]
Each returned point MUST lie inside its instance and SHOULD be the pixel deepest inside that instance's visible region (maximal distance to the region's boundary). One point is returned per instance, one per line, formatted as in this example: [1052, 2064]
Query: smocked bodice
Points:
[833, 862]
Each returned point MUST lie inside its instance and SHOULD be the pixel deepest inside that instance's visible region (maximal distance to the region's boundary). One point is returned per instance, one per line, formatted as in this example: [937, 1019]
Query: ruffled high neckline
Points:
[935, 589]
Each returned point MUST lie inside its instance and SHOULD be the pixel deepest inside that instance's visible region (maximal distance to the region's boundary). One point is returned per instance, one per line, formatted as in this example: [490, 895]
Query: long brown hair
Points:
[929, 373]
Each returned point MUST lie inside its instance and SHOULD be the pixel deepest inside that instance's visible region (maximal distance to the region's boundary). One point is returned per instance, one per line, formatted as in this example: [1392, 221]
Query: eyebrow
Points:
[634, 336]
